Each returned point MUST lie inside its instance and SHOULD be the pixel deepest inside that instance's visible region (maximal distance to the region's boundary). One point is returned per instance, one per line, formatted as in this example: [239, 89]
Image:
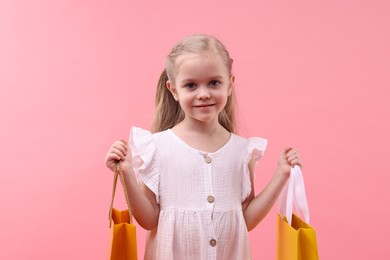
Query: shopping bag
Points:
[122, 234]
[295, 238]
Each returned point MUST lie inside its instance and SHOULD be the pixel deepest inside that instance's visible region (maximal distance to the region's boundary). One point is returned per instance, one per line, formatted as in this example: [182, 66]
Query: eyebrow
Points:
[209, 78]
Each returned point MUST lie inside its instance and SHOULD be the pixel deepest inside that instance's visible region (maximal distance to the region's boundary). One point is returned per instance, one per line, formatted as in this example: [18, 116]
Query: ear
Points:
[230, 89]
[172, 89]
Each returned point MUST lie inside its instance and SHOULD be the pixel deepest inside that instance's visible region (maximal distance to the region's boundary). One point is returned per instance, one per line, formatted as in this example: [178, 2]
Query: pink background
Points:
[75, 75]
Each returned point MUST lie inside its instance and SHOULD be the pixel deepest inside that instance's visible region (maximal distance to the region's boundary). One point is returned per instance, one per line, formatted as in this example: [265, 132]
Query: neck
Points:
[208, 128]
[202, 136]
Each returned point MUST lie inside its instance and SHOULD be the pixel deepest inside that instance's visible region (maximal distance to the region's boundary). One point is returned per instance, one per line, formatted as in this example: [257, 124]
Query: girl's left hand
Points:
[287, 159]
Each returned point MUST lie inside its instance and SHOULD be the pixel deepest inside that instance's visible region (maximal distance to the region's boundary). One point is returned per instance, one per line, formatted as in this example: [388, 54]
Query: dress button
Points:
[210, 199]
[207, 159]
[213, 242]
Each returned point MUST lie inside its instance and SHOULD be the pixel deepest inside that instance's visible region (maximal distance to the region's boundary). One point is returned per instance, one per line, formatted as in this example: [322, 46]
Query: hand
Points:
[287, 159]
[119, 151]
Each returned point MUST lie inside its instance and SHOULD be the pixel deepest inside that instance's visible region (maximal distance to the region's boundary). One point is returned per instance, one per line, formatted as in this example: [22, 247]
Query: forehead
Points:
[201, 64]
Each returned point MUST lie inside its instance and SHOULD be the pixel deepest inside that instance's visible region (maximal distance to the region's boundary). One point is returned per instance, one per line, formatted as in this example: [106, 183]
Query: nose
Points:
[203, 92]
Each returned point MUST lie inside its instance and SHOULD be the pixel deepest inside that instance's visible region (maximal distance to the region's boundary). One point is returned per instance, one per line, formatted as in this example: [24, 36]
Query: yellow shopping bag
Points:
[295, 238]
[122, 236]
[295, 242]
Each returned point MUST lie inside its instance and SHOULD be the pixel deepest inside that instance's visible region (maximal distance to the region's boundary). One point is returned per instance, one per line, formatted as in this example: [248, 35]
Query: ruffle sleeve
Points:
[143, 150]
[255, 150]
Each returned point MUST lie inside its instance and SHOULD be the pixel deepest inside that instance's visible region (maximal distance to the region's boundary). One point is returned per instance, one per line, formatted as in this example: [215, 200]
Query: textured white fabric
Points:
[183, 182]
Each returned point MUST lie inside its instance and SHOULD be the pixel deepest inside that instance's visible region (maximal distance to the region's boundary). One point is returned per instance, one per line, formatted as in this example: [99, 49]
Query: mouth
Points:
[205, 105]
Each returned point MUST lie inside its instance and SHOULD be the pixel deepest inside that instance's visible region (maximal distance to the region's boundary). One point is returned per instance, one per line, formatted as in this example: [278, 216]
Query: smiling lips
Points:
[204, 105]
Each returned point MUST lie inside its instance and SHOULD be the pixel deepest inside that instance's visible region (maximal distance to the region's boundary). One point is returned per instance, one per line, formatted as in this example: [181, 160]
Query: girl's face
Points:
[202, 86]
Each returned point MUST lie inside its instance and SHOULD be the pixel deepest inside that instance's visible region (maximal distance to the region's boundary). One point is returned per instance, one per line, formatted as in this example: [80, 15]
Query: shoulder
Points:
[252, 146]
[254, 140]
[161, 135]
[138, 132]
[162, 138]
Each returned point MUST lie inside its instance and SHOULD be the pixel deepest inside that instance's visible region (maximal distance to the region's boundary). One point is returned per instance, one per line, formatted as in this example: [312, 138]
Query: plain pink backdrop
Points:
[76, 75]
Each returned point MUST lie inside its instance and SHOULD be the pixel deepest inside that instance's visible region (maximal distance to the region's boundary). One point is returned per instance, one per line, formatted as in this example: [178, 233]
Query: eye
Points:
[190, 85]
[214, 83]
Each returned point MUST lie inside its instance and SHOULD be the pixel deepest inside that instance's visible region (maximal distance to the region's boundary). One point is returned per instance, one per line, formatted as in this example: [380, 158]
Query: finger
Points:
[293, 156]
[286, 150]
[119, 146]
[291, 152]
[115, 155]
[296, 161]
[112, 157]
[283, 155]
[111, 166]
[118, 152]
[123, 141]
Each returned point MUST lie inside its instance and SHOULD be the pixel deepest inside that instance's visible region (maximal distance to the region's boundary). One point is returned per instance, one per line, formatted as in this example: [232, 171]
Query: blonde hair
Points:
[168, 112]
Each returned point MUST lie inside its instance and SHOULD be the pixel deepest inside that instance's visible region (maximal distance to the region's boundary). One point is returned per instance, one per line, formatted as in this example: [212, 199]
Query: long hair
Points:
[168, 112]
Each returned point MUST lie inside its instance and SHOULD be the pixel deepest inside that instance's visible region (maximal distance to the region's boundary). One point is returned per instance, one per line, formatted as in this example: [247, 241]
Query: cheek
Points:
[221, 95]
[185, 101]
[230, 90]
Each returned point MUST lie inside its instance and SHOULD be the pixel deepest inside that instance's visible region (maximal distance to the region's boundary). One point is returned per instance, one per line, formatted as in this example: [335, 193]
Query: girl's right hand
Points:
[119, 151]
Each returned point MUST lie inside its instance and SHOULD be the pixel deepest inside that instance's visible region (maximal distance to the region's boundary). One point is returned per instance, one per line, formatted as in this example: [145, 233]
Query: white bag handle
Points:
[294, 194]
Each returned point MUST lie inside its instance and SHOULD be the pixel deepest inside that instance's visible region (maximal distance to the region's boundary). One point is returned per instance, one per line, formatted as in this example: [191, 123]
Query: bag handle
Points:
[294, 194]
[118, 171]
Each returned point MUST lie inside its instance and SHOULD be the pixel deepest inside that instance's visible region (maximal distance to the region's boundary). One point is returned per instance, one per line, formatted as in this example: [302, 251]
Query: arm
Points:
[256, 208]
[142, 200]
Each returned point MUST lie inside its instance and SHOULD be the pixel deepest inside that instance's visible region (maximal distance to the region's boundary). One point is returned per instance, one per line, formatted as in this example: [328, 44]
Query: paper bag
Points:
[295, 238]
[122, 236]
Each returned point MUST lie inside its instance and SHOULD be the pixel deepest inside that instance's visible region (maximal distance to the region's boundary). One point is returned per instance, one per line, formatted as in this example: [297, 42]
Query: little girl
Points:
[196, 194]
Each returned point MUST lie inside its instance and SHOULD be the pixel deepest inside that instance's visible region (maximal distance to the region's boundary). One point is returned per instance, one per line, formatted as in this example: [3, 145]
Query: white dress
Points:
[199, 194]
